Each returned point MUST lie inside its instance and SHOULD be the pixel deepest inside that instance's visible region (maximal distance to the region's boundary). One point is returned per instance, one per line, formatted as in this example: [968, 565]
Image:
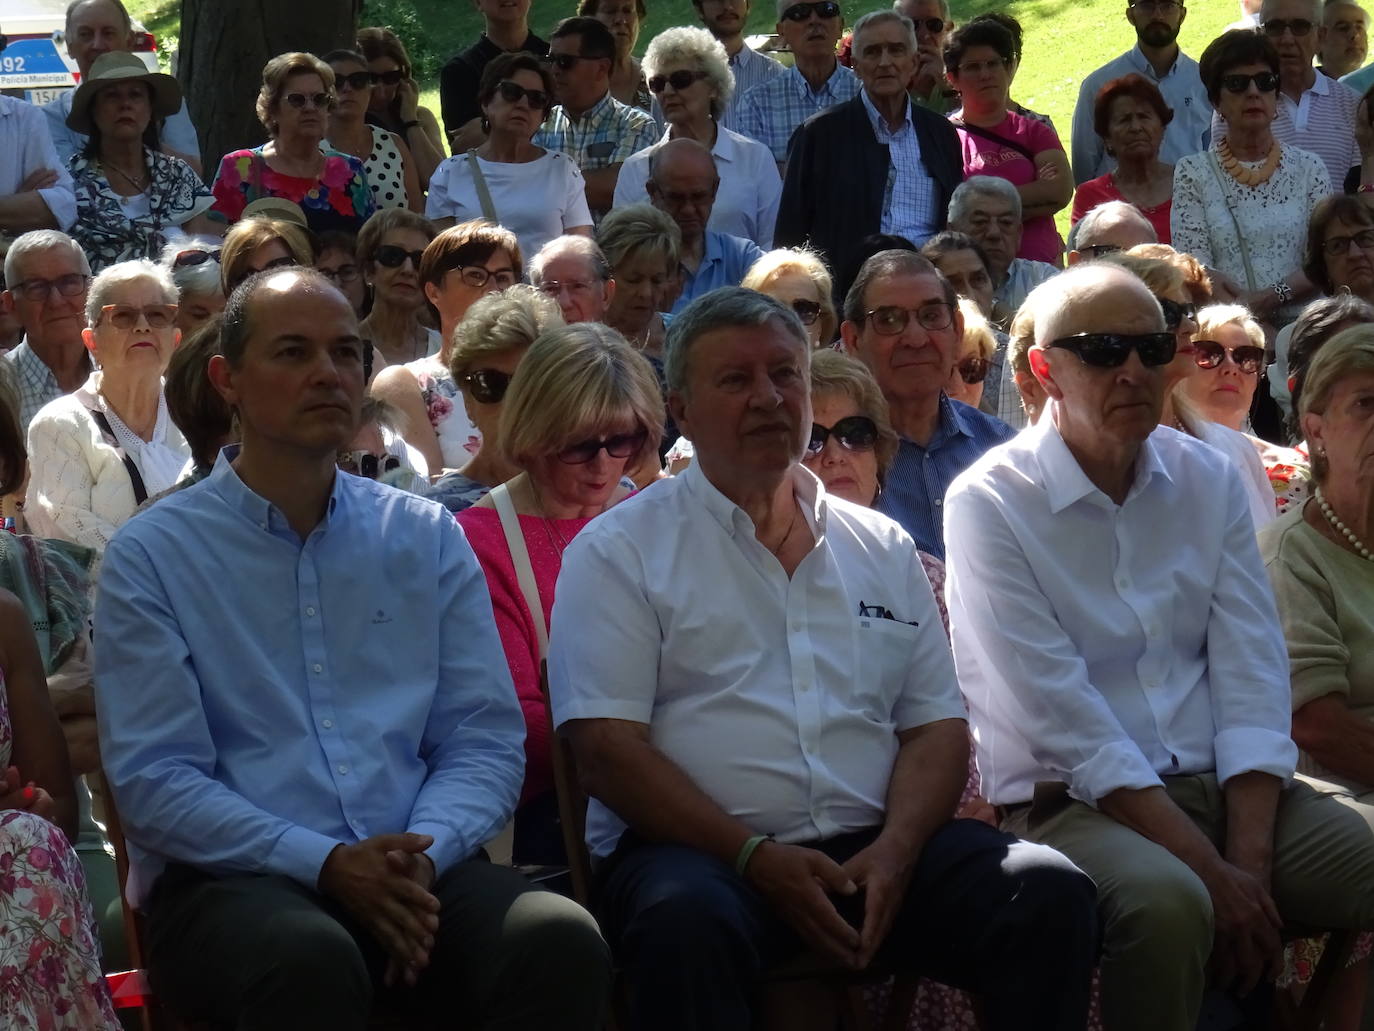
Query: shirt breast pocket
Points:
[887, 649]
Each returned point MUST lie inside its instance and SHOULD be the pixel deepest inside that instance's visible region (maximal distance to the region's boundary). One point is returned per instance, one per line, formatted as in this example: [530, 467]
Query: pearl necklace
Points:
[1248, 176]
[1341, 528]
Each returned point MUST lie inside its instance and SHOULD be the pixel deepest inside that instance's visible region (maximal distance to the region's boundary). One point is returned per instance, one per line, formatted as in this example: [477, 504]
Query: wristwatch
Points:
[1284, 292]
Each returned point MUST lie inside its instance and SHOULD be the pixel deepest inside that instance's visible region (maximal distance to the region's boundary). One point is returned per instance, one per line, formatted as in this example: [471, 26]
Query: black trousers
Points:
[266, 953]
[1012, 921]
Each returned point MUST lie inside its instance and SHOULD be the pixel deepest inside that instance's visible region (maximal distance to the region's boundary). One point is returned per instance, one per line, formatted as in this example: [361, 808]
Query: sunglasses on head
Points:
[390, 78]
[1265, 82]
[1175, 312]
[1208, 354]
[487, 386]
[854, 432]
[1109, 350]
[679, 80]
[392, 256]
[511, 92]
[185, 259]
[355, 80]
[824, 9]
[807, 311]
[125, 317]
[973, 369]
[1274, 27]
[621, 445]
[300, 101]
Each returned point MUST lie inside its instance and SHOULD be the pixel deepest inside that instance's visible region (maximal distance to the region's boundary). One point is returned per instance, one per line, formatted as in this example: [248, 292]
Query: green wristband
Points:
[746, 852]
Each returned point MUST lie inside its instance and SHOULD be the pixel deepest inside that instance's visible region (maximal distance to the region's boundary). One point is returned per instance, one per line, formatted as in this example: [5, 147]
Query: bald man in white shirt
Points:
[1118, 644]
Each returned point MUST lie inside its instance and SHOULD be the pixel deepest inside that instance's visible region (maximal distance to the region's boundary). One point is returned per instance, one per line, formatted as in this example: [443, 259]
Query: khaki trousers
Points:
[1156, 913]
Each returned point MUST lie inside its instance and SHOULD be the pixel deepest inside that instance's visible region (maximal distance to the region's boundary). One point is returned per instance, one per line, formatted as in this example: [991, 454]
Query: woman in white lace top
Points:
[1241, 207]
[96, 454]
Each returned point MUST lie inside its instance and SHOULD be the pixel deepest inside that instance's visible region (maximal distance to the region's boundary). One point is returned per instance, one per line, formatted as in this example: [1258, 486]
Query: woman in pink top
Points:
[582, 408]
[998, 141]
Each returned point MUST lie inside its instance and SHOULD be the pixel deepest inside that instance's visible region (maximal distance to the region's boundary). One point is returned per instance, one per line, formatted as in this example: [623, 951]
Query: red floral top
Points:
[340, 199]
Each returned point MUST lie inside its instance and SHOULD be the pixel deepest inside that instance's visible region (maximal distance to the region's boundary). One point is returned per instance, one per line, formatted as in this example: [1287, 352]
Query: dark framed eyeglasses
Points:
[367, 465]
[300, 101]
[125, 317]
[973, 369]
[342, 276]
[889, 320]
[391, 256]
[355, 80]
[854, 432]
[826, 9]
[1265, 82]
[1208, 354]
[1275, 27]
[390, 78]
[1109, 350]
[513, 92]
[477, 276]
[807, 311]
[1336, 246]
[1175, 312]
[621, 445]
[566, 62]
[71, 285]
[487, 386]
[679, 80]
[186, 259]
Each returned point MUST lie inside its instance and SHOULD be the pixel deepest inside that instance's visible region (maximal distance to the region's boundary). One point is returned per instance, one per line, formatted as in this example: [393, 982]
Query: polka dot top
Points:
[386, 170]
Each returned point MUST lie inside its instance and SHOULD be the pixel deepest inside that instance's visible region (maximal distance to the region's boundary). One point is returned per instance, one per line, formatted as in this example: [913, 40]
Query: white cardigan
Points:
[79, 489]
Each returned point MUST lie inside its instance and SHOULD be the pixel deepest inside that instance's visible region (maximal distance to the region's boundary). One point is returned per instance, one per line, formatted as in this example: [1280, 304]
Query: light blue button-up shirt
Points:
[724, 261]
[262, 700]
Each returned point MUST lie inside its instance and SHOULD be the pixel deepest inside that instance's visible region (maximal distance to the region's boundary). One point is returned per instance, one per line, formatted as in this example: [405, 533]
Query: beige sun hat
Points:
[276, 207]
[121, 66]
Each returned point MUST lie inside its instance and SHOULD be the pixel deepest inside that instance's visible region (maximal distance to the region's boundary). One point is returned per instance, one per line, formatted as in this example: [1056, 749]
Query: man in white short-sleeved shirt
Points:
[758, 691]
[1118, 644]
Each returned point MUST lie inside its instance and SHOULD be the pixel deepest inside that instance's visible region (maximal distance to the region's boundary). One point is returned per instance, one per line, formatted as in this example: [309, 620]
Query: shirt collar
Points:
[952, 420]
[224, 480]
[724, 149]
[1064, 479]
[879, 123]
[743, 56]
[733, 519]
[804, 88]
[1321, 86]
[1137, 59]
[596, 111]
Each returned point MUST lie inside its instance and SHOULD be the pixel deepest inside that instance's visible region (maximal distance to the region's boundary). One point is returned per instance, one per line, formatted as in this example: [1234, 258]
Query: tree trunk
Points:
[224, 47]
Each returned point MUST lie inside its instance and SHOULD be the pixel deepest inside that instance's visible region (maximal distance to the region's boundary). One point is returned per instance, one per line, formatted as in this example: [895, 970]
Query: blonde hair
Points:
[803, 261]
[639, 229]
[836, 374]
[274, 76]
[499, 323]
[1214, 316]
[1196, 279]
[247, 236]
[573, 383]
[1021, 339]
[1349, 353]
[978, 338]
[1161, 275]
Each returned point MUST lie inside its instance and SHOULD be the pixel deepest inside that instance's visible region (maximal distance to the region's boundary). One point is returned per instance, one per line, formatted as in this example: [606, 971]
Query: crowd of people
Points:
[909, 589]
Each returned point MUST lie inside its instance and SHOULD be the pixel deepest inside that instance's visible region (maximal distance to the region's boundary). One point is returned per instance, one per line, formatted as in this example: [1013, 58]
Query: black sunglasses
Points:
[825, 9]
[934, 26]
[185, 259]
[71, 285]
[390, 78]
[973, 369]
[1265, 82]
[622, 445]
[355, 80]
[679, 80]
[1273, 28]
[511, 92]
[565, 62]
[1208, 354]
[487, 386]
[854, 432]
[1109, 350]
[807, 311]
[1175, 312]
[394, 257]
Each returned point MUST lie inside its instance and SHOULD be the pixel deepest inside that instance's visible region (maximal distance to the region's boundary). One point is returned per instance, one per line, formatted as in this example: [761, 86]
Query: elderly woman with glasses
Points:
[690, 75]
[98, 453]
[642, 246]
[1242, 206]
[386, 159]
[460, 266]
[336, 258]
[583, 408]
[195, 270]
[400, 325]
[799, 279]
[293, 105]
[977, 345]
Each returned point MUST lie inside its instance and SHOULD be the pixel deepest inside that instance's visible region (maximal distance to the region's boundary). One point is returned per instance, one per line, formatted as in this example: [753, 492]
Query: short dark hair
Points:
[596, 39]
[948, 241]
[341, 55]
[1339, 206]
[236, 327]
[506, 65]
[1135, 86]
[892, 263]
[198, 409]
[1012, 26]
[467, 242]
[981, 32]
[1230, 50]
[590, 7]
[152, 135]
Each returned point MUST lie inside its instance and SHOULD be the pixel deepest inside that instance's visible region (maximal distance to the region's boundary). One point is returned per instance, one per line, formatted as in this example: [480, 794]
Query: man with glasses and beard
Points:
[726, 20]
[1156, 56]
[1119, 647]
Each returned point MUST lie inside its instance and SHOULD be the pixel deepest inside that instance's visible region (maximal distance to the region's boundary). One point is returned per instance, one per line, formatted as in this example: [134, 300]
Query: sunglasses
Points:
[487, 386]
[890, 320]
[390, 78]
[1336, 246]
[1175, 312]
[934, 26]
[566, 62]
[1109, 350]
[622, 445]
[125, 317]
[854, 432]
[367, 465]
[394, 257]
[355, 80]
[679, 80]
[1208, 354]
[476, 276]
[807, 311]
[1265, 82]
[824, 9]
[188, 259]
[1274, 27]
[72, 285]
[512, 92]
[973, 369]
[1096, 250]
[300, 101]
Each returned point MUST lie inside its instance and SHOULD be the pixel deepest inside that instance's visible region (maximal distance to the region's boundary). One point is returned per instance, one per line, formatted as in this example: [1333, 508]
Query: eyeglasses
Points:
[125, 317]
[188, 259]
[1265, 82]
[679, 80]
[800, 12]
[854, 432]
[319, 101]
[934, 26]
[566, 62]
[72, 285]
[622, 445]
[394, 257]
[1274, 27]
[1109, 350]
[973, 369]
[890, 320]
[368, 465]
[554, 287]
[1335, 246]
[390, 78]
[511, 92]
[1175, 313]
[1096, 250]
[487, 386]
[1208, 354]
[979, 67]
[343, 275]
[807, 311]
[477, 276]
[355, 80]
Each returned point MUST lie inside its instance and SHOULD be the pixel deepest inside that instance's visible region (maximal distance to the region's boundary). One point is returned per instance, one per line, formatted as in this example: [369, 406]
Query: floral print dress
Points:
[49, 957]
[459, 437]
[340, 199]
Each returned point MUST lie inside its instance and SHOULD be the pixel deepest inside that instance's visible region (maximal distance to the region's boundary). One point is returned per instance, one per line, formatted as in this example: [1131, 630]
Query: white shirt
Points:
[1107, 646]
[1236, 446]
[750, 186]
[25, 147]
[773, 695]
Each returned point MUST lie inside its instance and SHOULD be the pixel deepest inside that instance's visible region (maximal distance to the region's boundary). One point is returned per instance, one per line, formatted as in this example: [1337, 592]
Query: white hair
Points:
[138, 270]
[1109, 213]
[697, 49]
[1057, 295]
[36, 242]
[881, 17]
[1316, 5]
[582, 246]
[976, 186]
[193, 280]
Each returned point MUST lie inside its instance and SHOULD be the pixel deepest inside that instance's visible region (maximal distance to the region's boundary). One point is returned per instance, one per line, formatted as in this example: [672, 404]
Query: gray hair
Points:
[138, 270]
[76, 5]
[36, 242]
[638, 228]
[1112, 212]
[726, 308]
[1069, 287]
[193, 280]
[880, 17]
[582, 246]
[695, 48]
[892, 263]
[899, 5]
[1317, 10]
[975, 186]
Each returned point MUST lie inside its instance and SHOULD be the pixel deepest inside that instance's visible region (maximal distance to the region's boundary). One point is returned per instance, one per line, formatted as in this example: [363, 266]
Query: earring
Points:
[486, 126]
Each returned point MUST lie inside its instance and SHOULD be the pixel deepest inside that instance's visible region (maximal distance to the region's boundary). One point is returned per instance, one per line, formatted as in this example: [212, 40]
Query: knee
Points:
[547, 931]
[1165, 908]
[309, 954]
[686, 918]
[1054, 897]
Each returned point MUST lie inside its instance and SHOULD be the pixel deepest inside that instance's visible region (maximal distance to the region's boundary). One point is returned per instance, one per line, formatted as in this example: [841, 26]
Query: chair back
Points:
[572, 802]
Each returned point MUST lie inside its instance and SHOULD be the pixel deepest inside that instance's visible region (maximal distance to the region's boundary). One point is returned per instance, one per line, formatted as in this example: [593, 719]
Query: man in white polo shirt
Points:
[760, 697]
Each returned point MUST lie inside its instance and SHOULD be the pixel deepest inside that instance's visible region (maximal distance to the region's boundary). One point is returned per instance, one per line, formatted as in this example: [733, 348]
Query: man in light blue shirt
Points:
[1158, 58]
[308, 724]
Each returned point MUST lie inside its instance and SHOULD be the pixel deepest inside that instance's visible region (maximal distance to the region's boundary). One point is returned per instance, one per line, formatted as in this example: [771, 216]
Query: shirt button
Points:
[327, 724]
[1123, 583]
[310, 610]
[343, 767]
[317, 668]
[939, 502]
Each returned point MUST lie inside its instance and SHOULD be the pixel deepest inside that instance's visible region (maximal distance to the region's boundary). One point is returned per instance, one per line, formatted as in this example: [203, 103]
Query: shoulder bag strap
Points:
[988, 134]
[483, 194]
[520, 558]
[92, 406]
[1240, 237]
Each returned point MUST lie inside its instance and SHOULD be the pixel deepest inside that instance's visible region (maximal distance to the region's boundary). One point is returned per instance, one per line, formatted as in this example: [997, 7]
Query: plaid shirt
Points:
[750, 69]
[770, 113]
[909, 207]
[34, 381]
[605, 135]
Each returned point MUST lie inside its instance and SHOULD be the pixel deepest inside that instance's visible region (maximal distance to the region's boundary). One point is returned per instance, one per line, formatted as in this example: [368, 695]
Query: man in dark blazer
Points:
[877, 163]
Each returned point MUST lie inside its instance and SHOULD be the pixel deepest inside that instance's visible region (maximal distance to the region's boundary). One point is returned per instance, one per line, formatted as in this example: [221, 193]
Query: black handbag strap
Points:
[988, 134]
[135, 477]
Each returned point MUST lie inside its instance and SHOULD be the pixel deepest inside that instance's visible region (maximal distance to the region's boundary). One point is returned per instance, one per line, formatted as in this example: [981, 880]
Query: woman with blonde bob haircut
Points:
[797, 278]
[582, 409]
[259, 243]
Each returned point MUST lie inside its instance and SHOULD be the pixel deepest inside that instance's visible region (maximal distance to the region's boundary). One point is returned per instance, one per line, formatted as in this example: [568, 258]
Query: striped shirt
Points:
[34, 381]
[772, 112]
[750, 69]
[909, 207]
[1322, 122]
[914, 490]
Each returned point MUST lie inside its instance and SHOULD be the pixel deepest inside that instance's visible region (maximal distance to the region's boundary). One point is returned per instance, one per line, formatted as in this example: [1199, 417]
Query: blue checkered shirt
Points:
[750, 69]
[909, 208]
[605, 135]
[771, 113]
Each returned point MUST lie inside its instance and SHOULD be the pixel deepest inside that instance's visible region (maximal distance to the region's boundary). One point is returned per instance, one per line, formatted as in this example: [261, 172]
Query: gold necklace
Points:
[138, 184]
[1248, 176]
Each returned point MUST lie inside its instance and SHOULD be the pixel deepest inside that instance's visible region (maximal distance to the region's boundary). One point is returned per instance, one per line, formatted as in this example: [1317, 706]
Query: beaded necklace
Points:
[1248, 176]
[1341, 528]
